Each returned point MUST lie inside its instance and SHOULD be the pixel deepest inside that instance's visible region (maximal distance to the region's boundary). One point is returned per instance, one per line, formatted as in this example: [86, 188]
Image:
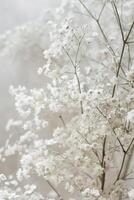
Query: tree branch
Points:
[54, 189]
[74, 64]
[121, 56]
[123, 161]
[103, 164]
[118, 19]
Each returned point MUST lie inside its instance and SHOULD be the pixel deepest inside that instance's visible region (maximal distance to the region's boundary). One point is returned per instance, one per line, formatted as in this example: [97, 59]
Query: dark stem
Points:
[121, 57]
[103, 164]
[74, 64]
[119, 66]
[62, 120]
[97, 20]
[118, 19]
[54, 189]
[121, 168]
[125, 152]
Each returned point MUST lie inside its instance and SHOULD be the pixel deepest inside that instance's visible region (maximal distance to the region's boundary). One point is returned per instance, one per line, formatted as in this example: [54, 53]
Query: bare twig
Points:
[62, 120]
[97, 20]
[123, 161]
[102, 10]
[113, 130]
[118, 19]
[121, 56]
[93, 150]
[54, 189]
[74, 64]
[103, 164]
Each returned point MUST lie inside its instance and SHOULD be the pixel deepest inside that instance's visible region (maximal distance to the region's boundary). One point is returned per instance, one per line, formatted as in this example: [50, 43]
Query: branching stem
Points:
[74, 64]
[121, 56]
[123, 161]
[54, 189]
[103, 164]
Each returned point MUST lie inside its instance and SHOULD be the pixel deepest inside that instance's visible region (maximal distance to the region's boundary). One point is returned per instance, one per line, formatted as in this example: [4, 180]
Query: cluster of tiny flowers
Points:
[10, 189]
[76, 132]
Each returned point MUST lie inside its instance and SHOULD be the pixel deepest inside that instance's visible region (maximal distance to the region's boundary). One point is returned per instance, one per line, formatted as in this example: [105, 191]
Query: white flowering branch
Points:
[97, 20]
[87, 58]
[125, 152]
[125, 41]
[54, 189]
[75, 65]
[103, 164]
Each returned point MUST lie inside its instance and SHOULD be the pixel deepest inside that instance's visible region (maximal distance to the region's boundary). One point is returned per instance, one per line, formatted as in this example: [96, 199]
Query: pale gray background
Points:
[15, 13]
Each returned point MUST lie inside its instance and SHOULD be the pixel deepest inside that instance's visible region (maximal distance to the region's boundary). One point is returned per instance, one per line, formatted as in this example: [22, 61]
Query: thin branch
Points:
[54, 189]
[74, 64]
[102, 10]
[128, 179]
[94, 151]
[118, 18]
[71, 60]
[123, 161]
[130, 42]
[121, 56]
[88, 11]
[78, 49]
[125, 152]
[129, 56]
[130, 145]
[128, 174]
[98, 23]
[103, 163]
[121, 168]
[119, 66]
[128, 35]
[128, 161]
[121, 145]
[62, 120]
[101, 113]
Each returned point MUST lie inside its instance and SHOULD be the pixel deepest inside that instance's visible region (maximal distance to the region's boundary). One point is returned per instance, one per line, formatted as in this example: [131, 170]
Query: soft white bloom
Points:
[13, 123]
[130, 116]
[130, 75]
[131, 194]
[88, 192]
[2, 177]
[75, 127]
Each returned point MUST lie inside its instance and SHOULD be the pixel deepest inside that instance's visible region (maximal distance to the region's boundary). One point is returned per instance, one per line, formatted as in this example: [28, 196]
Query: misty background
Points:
[15, 13]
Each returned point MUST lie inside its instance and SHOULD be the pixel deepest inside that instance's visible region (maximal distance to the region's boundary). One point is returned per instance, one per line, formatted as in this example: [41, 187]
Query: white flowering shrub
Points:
[76, 132]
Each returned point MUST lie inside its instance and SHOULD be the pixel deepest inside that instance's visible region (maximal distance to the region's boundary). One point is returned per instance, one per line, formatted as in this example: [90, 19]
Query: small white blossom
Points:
[131, 194]
[130, 116]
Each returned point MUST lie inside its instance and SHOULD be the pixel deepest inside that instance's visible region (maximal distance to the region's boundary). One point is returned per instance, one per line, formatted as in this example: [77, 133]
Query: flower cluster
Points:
[76, 132]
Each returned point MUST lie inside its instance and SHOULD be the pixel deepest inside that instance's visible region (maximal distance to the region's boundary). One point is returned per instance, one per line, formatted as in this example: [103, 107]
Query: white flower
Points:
[40, 70]
[69, 187]
[88, 192]
[2, 177]
[80, 68]
[130, 75]
[13, 123]
[131, 194]
[130, 116]
[29, 188]
[95, 192]
[114, 80]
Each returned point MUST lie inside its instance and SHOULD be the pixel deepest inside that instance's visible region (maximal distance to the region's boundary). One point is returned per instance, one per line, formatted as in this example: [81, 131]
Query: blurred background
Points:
[18, 12]
[16, 70]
